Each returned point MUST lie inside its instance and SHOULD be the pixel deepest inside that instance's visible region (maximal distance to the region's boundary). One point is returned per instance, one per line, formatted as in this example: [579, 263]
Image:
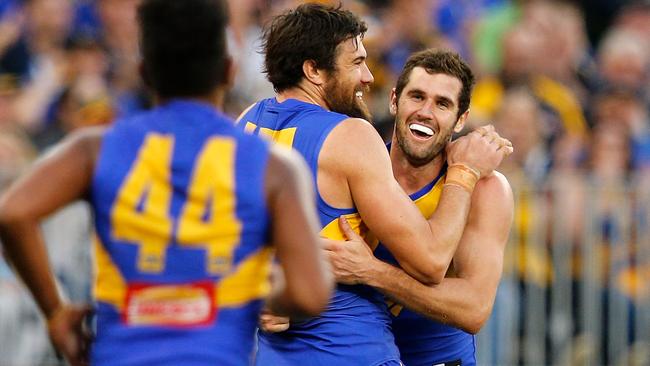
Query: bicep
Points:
[385, 208]
[388, 211]
[479, 257]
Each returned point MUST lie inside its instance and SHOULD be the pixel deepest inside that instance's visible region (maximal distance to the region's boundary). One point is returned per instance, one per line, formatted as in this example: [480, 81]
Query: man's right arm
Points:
[423, 248]
[464, 299]
[307, 283]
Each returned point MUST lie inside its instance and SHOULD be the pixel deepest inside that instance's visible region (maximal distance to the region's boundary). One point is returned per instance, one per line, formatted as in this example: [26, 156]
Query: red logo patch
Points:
[171, 305]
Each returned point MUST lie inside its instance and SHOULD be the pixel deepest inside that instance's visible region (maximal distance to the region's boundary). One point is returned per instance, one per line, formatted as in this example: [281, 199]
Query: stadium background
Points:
[566, 81]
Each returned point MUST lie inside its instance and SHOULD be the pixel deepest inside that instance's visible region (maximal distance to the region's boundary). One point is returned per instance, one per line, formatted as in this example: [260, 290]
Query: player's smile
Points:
[421, 131]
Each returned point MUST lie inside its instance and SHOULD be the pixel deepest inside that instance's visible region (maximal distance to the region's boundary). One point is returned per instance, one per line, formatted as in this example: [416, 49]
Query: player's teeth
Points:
[359, 94]
[424, 129]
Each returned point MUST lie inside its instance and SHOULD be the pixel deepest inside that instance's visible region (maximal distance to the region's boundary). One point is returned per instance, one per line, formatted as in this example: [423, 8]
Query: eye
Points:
[417, 97]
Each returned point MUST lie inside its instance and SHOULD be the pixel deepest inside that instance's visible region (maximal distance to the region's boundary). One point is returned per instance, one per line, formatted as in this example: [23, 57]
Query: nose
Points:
[426, 110]
[366, 75]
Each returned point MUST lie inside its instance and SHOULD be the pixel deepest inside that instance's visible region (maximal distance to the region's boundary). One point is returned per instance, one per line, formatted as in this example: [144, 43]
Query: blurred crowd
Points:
[568, 82]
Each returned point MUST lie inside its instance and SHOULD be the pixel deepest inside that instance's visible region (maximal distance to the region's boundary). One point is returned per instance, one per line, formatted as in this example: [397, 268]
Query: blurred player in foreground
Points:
[184, 207]
[316, 61]
[434, 325]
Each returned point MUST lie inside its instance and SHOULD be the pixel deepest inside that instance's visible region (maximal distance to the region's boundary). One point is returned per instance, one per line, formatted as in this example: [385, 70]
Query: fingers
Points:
[330, 245]
[485, 130]
[505, 146]
[273, 323]
[488, 132]
[504, 142]
[507, 150]
[66, 329]
[86, 335]
[345, 227]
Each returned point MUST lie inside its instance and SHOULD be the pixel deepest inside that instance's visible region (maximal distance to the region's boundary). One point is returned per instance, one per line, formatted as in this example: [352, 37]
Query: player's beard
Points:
[342, 99]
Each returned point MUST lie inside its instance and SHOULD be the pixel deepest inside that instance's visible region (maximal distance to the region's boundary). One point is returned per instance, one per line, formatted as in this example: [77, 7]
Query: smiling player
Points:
[434, 325]
[316, 61]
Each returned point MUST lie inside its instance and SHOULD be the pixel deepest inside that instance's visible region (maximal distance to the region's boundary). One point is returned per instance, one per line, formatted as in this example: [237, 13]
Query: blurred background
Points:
[566, 81]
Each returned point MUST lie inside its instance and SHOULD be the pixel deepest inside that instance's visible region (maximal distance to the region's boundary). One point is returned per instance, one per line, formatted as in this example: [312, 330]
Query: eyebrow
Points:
[443, 98]
[359, 58]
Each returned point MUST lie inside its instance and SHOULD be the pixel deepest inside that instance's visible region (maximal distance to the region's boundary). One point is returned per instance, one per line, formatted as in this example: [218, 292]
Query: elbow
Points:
[435, 273]
[472, 326]
[9, 215]
[476, 319]
[431, 279]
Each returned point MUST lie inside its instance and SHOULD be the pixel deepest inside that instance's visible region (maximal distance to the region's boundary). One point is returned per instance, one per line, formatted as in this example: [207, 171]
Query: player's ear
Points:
[393, 102]
[312, 73]
[461, 121]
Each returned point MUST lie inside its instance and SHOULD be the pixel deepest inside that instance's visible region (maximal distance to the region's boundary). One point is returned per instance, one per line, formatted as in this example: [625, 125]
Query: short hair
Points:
[183, 44]
[436, 61]
[309, 32]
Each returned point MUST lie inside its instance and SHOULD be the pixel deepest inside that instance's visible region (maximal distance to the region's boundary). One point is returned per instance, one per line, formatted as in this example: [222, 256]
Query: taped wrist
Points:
[463, 176]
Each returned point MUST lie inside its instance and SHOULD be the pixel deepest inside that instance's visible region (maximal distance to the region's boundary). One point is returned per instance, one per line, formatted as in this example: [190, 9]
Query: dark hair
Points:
[183, 45]
[309, 32]
[437, 61]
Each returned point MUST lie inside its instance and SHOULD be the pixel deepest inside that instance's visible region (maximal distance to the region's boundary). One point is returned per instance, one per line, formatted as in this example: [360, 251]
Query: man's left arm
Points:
[464, 300]
[55, 180]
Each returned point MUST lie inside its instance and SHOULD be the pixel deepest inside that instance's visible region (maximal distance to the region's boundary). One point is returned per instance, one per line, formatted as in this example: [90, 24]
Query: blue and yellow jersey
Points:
[181, 256]
[354, 330]
[422, 341]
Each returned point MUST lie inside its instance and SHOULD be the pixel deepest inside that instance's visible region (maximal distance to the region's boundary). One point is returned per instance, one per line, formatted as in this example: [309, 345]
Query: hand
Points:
[273, 323]
[351, 259]
[68, 335]
[482, 150]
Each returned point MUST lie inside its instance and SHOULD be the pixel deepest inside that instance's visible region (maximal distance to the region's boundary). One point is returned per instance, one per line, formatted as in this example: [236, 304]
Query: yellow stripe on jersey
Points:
[283, 137]
[212, 189]
[332, 230]
[110, 286]
[139, 214]
[429, 201]
[250, 281]
[250, 127]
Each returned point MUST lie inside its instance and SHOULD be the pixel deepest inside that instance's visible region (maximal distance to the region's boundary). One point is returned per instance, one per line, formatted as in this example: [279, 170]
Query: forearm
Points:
[455, 301]
[279, 303]
[448, 223]
[24, 247]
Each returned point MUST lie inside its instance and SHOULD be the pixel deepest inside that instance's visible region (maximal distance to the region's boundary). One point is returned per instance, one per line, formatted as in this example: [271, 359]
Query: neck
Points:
[413, 177]
[308, 94]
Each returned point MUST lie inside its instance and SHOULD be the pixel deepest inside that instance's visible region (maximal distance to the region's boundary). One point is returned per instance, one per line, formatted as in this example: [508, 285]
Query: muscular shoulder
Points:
[493, 191]
[352, 143]
[86, 141]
